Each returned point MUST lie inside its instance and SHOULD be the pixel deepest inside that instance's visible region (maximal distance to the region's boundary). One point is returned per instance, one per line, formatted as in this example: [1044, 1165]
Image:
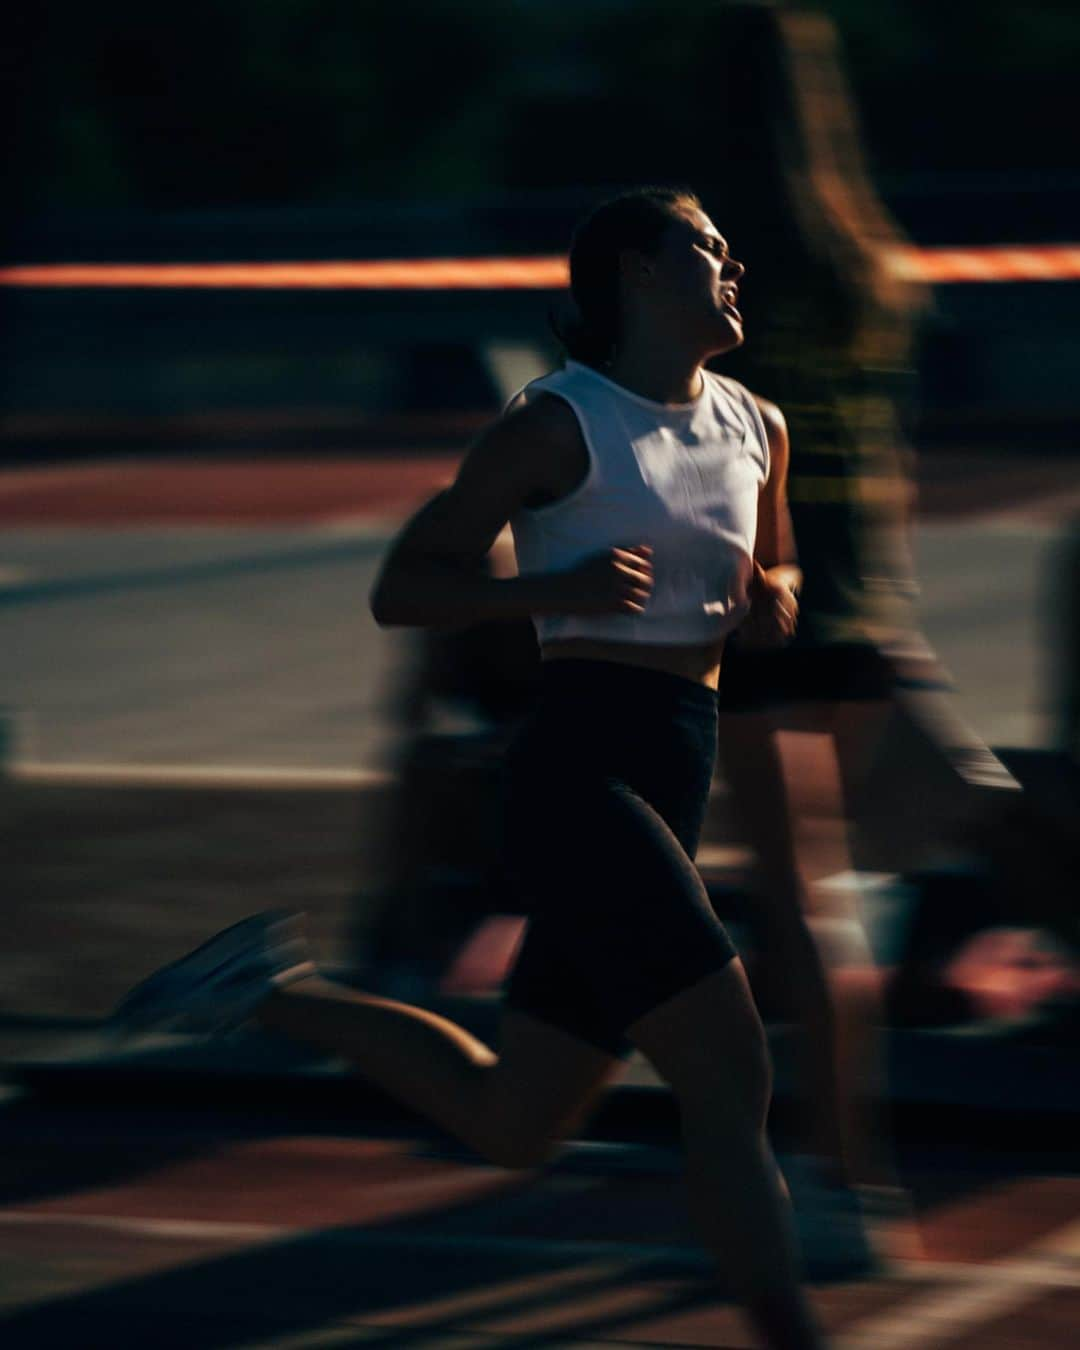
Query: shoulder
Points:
[762, 409]
[769, 413]
[546, 421]
[536, 443]
[776, 435]
[545, 410]
[551, 439]
[775, 422]
[557, 381]
[771, 424]
[767, 418]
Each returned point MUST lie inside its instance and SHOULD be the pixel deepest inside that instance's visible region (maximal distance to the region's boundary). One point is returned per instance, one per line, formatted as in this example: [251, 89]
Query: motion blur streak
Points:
[1045, 262]
[435, 274]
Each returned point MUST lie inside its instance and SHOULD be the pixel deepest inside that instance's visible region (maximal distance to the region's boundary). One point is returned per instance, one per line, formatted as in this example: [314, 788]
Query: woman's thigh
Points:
[620, 918]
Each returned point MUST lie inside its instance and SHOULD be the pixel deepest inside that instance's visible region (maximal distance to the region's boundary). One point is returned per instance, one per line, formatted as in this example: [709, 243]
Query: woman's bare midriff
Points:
[691, 662]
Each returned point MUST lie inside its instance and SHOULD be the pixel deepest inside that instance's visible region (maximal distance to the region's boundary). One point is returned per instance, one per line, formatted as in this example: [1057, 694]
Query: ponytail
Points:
[591, 344]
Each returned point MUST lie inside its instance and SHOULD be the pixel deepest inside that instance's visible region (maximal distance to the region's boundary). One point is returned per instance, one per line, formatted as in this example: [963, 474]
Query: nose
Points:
[733, 269]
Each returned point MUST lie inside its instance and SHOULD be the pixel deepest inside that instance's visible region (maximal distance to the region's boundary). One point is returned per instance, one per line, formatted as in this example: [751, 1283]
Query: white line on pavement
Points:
[985, 1293]
[1049, 1264]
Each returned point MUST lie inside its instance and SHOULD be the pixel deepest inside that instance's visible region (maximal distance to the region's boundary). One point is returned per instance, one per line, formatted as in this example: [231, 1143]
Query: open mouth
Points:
[728, 296]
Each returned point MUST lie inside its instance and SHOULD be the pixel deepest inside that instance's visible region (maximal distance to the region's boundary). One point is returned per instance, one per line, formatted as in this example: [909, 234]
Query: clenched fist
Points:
[617, 581]
[774, 613]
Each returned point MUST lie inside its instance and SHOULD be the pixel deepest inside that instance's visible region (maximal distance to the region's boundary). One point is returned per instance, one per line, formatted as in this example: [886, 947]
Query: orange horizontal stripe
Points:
[1044, 262]
[425, 274]
[1019, 262]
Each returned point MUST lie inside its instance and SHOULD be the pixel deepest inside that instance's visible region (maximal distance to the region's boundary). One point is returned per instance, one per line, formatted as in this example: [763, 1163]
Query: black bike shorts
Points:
[607, 788]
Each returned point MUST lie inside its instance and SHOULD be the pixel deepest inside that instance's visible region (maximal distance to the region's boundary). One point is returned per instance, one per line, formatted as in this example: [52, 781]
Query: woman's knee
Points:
[737, 1082]
[709, 1044]
[509, 1137]
[526, 1112]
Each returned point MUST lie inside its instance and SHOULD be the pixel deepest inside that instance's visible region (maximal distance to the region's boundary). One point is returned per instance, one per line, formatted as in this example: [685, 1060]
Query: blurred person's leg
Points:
[386, 925]
[789, 971]
[847, 735]
[933, 784]
[430, 892]
[857, 731]
[828, 749]
[796, 776]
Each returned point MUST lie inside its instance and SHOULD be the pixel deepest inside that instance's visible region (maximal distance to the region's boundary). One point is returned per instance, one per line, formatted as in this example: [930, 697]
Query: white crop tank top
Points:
[684, 478]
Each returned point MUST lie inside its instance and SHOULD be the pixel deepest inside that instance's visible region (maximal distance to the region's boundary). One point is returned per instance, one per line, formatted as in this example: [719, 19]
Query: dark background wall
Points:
[329, 103]
[350, 128]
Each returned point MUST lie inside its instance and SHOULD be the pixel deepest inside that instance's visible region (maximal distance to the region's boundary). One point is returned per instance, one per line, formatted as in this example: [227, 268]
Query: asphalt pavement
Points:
[215, 613]
[198, 707]
[191, 1231]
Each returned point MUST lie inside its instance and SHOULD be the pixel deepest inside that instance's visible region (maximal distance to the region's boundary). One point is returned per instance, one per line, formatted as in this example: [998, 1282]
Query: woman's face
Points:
[692, 282]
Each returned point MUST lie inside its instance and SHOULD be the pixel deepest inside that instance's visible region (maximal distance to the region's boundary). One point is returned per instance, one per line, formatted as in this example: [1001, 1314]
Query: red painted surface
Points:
[299, 1187]
[242, 491]
[253, 490]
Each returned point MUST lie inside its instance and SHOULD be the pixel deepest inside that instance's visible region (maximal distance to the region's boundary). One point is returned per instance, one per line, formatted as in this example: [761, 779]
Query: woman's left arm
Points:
[777, 578]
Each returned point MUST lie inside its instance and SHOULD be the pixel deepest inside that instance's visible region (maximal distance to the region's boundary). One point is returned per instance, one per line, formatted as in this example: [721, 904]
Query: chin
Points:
[727, 340]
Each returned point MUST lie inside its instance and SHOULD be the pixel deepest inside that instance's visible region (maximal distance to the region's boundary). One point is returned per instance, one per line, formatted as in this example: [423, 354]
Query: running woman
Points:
[646, 497]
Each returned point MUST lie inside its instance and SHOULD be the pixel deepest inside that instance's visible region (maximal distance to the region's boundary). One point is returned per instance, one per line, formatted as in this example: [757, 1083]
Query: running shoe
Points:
[219, 985]
[890, 1214]
[830, 1223]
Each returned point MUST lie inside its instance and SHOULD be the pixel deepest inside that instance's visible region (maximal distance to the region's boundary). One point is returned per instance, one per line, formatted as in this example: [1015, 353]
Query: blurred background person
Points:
[800, 727]
[436, 873]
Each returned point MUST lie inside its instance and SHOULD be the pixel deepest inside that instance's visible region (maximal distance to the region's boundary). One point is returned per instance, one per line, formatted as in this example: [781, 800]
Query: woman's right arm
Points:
[434, 576]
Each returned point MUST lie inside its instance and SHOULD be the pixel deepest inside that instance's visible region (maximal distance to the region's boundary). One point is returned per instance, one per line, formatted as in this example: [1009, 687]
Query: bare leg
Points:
[857, 994]
[857, 731]
[513, 1108]
[709, 1044]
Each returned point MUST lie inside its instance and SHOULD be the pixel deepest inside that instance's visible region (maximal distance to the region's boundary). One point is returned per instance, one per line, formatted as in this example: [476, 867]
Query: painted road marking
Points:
[187, 1229]
[1045, 1265]
[554, 1248]
[961, 1298]
[937, 1317]
[985, 1293]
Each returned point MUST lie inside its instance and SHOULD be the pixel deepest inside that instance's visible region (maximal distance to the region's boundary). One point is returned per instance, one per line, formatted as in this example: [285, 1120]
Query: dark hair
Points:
[633, 220]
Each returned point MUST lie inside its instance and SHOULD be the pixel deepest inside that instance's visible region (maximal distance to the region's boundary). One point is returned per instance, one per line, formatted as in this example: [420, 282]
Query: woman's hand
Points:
[617, 581]
[774, 609]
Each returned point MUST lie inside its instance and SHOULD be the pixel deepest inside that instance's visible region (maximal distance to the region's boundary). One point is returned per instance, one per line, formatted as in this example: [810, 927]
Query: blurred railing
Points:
[392, 351]
[936, 266]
